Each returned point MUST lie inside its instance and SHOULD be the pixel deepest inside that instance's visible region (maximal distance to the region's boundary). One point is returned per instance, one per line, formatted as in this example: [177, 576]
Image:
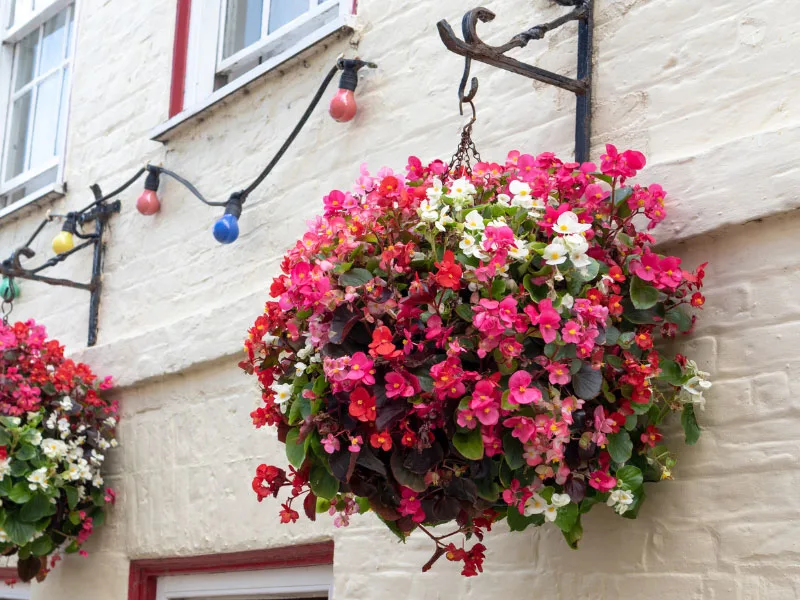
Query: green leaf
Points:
[25, 452]
[42, 546]
[620, 446]
[678, 316]
[630, 476]
[612, 335]
[641, 317]
[18, 532]
[10, 422]
[37, 507]
[589, 272]
[323, 484]
[622, 194]
[20, 493]
[72, 496]
[574, 535]
[301, 407]
[295, 452]
[690, 427]
[519, 522]
[469, 443]
[355, 277]
[5, 438]
[498, 288]
[643, 295]
[513, 451]
[567, 517]
[465, 312]
[671, 372]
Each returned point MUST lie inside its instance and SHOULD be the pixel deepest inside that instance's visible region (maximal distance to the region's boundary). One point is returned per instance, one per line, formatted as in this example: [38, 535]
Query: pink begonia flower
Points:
[520, 391]
[522, 428]
[466, 418]
[601, 422]
[355, 444]
[572, 332]
[410, 505]
[508, 311]
[360, 367]
[486, 411]
[398, 386]
[602, 481]
[497, 238]
[623, 165]
[547, 318]
[559, 373]
[647, 268]
[492, 444]
[670, 274]
[486, 317]
[330, 443]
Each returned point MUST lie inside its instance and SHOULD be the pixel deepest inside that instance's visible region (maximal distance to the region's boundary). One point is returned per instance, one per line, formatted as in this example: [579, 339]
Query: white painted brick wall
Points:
[708, 90]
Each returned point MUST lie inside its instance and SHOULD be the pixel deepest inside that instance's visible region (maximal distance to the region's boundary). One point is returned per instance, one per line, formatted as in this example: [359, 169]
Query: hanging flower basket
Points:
[456, 346]
[55, 429]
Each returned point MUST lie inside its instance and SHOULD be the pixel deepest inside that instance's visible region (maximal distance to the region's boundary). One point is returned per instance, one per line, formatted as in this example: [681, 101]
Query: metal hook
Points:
[473, 90]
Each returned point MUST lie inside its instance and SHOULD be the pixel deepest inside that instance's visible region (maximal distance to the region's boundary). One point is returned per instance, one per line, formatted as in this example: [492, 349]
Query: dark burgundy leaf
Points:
[310, 506]
[343, 321]
[342, 464]
[441, 509]
[422, 462]
[588, 453]
[587, 382]
[576, 489]
[361, 486]
[383, 510]
[404, 476]
[368, 460]
[572, 455]
[28, 568]
[390, 410]
[462, 489]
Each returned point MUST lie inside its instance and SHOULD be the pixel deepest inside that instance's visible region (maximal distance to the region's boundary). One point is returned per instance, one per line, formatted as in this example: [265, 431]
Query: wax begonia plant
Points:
[461, 346]
[55, 429]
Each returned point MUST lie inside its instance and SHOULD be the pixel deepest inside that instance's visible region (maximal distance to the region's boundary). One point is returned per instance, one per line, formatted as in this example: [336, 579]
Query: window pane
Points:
[45, 121]
[242, 25]
[53, 42]
[282, 12]
[27, 50]
[18, 135]
[63, 109]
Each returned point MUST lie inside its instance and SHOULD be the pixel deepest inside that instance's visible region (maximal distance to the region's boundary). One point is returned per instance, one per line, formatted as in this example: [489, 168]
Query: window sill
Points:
[45, 194]
[164, 131]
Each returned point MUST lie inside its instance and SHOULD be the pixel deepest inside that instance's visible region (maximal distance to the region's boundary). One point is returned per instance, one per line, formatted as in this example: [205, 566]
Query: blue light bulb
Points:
[226, 229]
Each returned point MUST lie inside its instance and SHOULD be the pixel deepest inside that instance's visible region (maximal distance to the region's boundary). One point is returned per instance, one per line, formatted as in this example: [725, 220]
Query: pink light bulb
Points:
[148, 203]
[343, 106]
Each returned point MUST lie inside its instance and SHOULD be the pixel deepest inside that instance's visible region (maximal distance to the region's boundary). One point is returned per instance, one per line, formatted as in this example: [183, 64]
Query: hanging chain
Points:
[462, 159]
[7, 304]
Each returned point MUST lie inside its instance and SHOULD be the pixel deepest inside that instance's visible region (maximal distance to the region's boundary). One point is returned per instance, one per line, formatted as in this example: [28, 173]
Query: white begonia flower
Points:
[73, 472]
[537, 204]
[519, 188]
[568, 223]
[97, 481]
[498, 222]
[300, 368]
[525, 202]
[55, 448]
[305, 351]
[5, 468]
[3, 536]
[444, 220]
[577, 246]
[315, 359]
[550, 512]
[96, 458]
[428, 210]
[270, 340]
[435, 191]
[567, 301]
[621, 500]
[104, 445]
[535, 505]
[519, 251]
[36, 438]
[283, 392]
[66, 403]
[503, 199]
[114, 443]
[50, 423]
[555, 253]
[473, 221]
[467, 244]
[559, 500]
[461, 189]
[111, 422]
[38, 479]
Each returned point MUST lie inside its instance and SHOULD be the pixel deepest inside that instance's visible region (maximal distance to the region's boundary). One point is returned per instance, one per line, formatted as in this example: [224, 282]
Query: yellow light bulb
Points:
[63, 242]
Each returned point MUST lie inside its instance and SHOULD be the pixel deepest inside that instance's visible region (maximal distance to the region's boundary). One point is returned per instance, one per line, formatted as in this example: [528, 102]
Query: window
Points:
[304, 571]
[249, 38]
[35, 68]
[18, 591]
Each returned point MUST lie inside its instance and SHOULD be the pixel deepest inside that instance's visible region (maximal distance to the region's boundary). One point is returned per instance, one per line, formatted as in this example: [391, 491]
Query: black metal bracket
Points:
[99, 213]
[473, 48]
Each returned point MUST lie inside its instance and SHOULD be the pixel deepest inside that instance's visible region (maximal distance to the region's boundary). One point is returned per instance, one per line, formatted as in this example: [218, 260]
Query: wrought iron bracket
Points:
[473, 48]
[98, 213]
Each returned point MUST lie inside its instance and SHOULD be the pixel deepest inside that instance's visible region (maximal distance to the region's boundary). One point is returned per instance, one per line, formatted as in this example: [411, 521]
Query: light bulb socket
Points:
[153, 179]
[350, 67]
[234, 205]
[70, 223]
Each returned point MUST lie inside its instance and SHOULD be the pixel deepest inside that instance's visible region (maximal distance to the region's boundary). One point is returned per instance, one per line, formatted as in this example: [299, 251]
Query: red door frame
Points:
[144, 574]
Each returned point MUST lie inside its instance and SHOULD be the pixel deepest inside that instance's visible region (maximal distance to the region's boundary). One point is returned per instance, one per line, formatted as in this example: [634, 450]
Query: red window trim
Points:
[8, 573]
[180, 51]
[144, 574]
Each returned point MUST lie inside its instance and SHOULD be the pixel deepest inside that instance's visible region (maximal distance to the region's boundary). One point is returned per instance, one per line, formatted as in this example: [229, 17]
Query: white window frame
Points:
[18, 591]
[46, 9]
[292, 582]
[204, 60]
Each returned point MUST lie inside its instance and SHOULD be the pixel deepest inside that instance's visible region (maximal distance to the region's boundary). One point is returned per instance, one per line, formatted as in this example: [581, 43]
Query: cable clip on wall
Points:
[225, 230]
